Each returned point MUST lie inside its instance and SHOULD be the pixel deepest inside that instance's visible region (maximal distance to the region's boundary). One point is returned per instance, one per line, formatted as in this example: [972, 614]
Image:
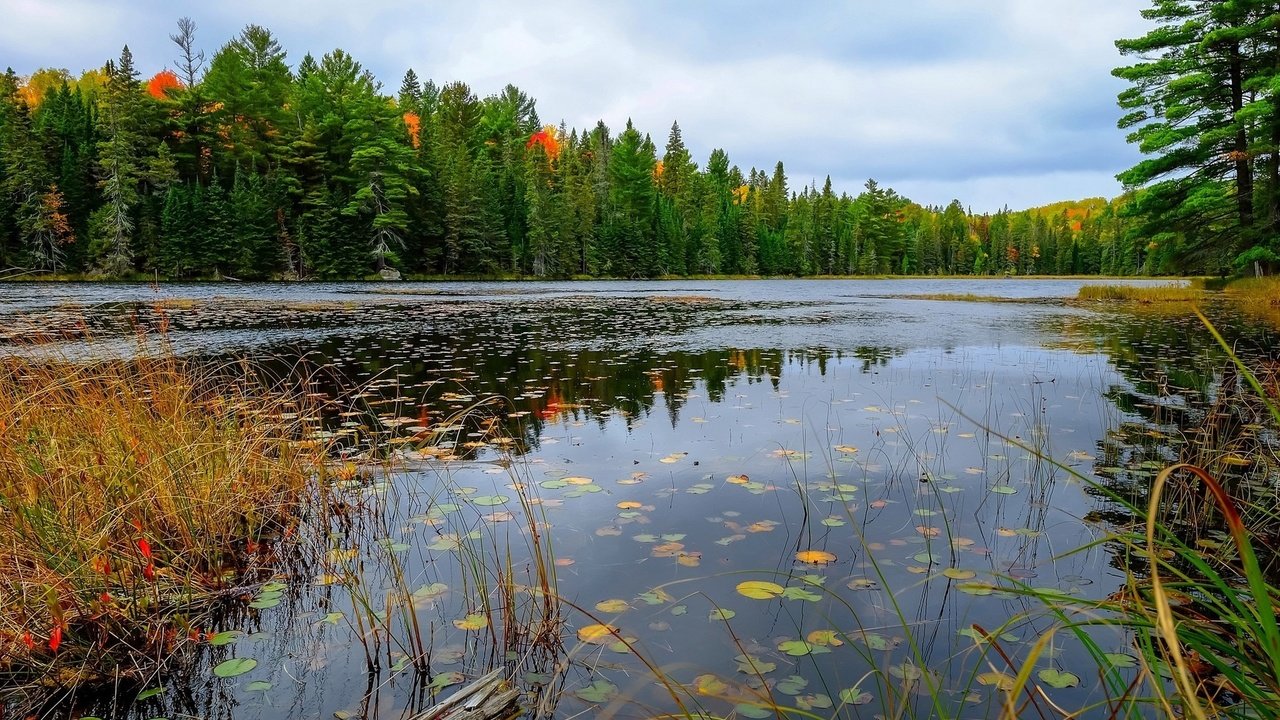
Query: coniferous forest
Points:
[243, 164]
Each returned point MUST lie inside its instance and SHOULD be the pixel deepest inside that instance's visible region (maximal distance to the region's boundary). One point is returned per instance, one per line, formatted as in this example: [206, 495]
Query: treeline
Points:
[244, 167]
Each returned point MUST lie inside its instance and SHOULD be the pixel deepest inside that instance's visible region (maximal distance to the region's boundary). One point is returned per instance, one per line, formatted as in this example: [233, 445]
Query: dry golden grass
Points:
[1144, 295]
[130, 491]
[1257, 297]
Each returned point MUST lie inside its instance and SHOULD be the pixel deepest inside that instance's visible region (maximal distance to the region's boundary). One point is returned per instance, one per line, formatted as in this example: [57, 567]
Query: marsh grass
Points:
[1199, 602]
[1258, 298]
[967, 297]
[134, 494]
[1143, 295]
[495, 554]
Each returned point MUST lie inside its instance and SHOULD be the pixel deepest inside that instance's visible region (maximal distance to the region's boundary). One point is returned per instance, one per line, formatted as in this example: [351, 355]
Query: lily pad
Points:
[474, 621]
[759, 589]
[792, 685]
[815, 557]
[854, 696]
[234, 667]
[710, 685]
[1121, 660]
[1054, 677]
[445, 679]
[799, 593]
[799, 648]
[752, 665]
[999, 680]
[613, 606]
[490, 500]
[597, 634]
[597, 692]
[226, 637]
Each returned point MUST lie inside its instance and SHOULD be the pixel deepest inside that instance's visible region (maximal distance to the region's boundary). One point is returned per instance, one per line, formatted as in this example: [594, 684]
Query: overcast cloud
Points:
[993, 102]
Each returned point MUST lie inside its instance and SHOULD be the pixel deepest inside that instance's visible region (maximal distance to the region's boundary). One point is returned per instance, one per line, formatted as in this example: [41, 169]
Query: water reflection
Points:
[678, 446]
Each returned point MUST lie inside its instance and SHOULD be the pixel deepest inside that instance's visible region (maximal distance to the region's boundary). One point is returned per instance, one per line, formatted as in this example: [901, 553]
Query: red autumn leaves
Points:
[162, 83]
[101, 565]
[144, 547]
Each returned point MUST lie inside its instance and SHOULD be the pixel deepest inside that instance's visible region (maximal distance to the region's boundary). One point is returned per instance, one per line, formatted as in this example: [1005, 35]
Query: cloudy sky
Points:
[993, 102]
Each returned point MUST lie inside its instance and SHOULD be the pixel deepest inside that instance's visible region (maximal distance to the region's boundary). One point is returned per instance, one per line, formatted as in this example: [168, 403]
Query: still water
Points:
[893, 469]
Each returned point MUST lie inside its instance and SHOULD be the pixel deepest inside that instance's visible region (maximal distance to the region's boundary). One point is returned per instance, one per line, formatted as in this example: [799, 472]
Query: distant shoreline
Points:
[374, 280]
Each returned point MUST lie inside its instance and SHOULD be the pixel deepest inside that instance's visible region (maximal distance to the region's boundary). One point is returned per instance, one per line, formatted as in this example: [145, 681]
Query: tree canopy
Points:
[1202, 105]
[246, 164]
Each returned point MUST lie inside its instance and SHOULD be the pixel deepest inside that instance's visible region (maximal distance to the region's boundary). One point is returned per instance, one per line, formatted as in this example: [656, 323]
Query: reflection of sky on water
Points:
[609, 383]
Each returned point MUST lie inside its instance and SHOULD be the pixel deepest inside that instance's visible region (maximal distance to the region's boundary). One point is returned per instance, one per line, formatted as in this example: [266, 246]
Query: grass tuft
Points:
[132, 495]
[1143, 295]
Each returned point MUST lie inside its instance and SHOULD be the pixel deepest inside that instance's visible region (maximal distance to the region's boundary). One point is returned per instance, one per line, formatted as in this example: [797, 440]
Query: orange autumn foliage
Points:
[412, 122]
[162, 83]
[546, 137]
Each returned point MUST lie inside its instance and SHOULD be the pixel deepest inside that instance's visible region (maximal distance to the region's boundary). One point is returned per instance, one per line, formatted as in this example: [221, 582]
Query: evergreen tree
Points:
[119, 167]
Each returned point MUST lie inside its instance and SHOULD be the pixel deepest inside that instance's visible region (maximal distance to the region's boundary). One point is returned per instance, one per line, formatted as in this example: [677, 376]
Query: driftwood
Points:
[488, 698]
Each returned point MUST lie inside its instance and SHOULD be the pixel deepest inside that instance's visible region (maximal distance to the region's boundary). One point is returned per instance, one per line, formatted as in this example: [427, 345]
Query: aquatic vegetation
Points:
[1258, 298]
[1172, 293]
[964, 297]
[134, 496]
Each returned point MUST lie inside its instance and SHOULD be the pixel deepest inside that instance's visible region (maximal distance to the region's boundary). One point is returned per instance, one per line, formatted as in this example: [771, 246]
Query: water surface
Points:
[678, 439]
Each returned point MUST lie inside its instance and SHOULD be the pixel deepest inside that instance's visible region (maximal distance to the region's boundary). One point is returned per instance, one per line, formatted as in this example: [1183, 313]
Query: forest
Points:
[242, 166]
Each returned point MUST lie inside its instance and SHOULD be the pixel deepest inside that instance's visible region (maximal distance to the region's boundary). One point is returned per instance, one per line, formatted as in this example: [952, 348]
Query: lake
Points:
[827, 492]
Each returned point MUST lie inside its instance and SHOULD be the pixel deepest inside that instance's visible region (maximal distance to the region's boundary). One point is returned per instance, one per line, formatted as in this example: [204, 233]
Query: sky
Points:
[993, 102]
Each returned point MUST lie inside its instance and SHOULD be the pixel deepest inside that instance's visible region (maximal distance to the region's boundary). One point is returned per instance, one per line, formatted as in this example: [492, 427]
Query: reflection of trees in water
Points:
[1184, 402]
[432, 377]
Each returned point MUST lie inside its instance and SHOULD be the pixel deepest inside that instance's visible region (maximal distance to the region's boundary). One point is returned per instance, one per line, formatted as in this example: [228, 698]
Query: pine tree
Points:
[1193, 106]
[119, 167]
[248, 85]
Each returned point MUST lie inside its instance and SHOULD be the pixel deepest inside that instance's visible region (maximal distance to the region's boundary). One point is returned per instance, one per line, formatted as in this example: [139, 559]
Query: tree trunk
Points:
[1240, 149]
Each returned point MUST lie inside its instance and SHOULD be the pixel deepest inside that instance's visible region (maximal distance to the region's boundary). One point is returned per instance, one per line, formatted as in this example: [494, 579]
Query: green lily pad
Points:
[434, 590]
[792, 685]
[597, 692]
[816, 701]
[799, 593]
[226, 637]
[752, 665]
[1054, 677]
[798, 648]
[234, 667]
[875, 641]
[445, 679]
[1121, 660]
[854, 696]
